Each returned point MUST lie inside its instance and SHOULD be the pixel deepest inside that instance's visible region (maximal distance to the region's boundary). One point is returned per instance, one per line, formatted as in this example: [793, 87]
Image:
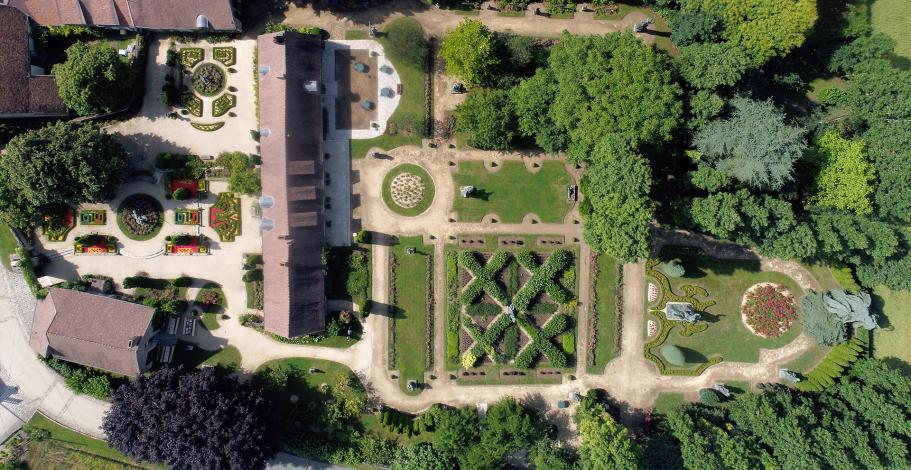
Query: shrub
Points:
[253, 275]
[452, 344]
[673, 268]
[362, 236]
[483, 310]
[568, 342]
[181, 194]
[769, 310]
[468, 360]
[708, 396]
[208, 79]
[673, 355]
[170, 95]
[182, 281]
[831, 96]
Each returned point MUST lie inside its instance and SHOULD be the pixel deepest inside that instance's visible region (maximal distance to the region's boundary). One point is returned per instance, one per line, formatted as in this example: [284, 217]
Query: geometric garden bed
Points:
[224, 217]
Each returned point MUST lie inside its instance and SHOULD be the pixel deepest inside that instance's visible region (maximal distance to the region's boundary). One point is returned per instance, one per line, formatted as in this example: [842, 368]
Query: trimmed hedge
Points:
[834, 364]
[483, 310]
[542, 279]
[483, 277]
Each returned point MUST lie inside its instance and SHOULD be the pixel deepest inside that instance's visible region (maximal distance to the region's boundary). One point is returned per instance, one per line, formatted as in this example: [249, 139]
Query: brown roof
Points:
[21, 93]
[91, 330]
[151, 14]
[295, 301]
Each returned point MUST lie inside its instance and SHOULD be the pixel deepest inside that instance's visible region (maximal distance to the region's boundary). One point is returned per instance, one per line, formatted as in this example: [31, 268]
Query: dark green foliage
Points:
[755, 145]
[94, 79]
[421, 456]
[879, 93]
[180, 194]
[518, 56]
[837, 360]
[483, 277]
[550, 455]
[889, 147]
[862, 49]
[694, 27]
[819, 323]
[81, 379]
[62, 163]
[532, 99]
[406, 42]
[709, 179]
[708, 396]
[483, 309]
[712, 65]
[507, 428]
[542, 279]
[704, 106]
[455, 430]
[511, 341]
[243, 177]
[488, 119]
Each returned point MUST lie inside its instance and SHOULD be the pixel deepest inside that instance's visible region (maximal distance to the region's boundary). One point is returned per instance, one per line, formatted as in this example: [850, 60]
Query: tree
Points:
[62, 163]
[532, 98]
[201, 419]
[845, 177]
[673, 268]
[693, 27]
[405, 39]
[548, 454]
[709, 179]
[94, 79]
[456, 429]
[860, 50]
[606, 444]
[763, 28]
[421, 456]
[879, 93]
[889, 146]
[708, 396]
[704, 105]
[851, 308]
[711, 65]
[819, 323]
[754, 145]
[468, 52]
[488, 119]
[617, 210]
[509, 427]
[854, 239]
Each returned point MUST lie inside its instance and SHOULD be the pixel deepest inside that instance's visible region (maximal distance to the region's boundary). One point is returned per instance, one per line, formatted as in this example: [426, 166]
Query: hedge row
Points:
[483, 310]
[542, 278]
[392, 299]
[664, 329]
[541, 342]
[429, 304]
[483, 277]
[668, 295]
[834, 364]
[484, 340]
[453, 306]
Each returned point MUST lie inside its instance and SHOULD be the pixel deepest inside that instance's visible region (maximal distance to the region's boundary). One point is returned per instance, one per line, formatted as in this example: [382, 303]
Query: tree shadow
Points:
[692, 356]
[899, 364]
[481, 194]
[877, 303]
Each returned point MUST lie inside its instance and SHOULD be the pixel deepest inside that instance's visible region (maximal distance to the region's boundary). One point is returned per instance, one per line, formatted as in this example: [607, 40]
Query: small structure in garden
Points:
[787, 375]
[723, 390]
[387, 92]
[385, 69]
[681, 311]
[140, 216]
[208, 79]
[412, 385]
[641, 26]
[466, 190]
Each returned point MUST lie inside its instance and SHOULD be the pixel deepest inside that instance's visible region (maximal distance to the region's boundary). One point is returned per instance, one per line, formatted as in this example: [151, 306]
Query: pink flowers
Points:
[769, 310]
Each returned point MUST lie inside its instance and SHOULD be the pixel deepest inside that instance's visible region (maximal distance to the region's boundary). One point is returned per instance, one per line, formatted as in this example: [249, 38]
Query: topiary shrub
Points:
[673, 355]
[180, 194]
[708, 396]
[673, 268]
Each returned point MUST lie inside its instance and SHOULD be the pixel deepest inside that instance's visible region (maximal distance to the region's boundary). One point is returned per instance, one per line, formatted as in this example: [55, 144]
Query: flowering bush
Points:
[769, 310]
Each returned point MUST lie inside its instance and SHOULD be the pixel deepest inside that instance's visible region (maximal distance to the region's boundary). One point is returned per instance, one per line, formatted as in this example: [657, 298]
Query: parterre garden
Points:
[203, 78]
[734, 299]
[411, 294]
[510, 310]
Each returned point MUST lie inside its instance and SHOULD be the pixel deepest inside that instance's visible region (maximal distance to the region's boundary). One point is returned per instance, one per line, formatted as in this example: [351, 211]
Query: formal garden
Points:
[57, 222]
[224, 217]
[95, 244]
[604, 316]
[186, 244]
[408, 190]
[411, 295]
[511, 192]
[197, 83]
[511, 310]
[702, 310]
[140, 217]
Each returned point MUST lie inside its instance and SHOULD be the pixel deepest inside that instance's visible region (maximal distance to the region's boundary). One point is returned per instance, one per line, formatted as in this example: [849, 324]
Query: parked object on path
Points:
[386, 69]
[562, 404]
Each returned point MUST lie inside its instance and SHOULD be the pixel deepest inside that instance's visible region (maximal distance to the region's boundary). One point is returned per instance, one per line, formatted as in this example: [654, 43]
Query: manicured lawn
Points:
[426, 180]
[512, 192]
[210, 321]
[726, 281]
[228, 356]
[893, 17]
[891, 342]
[8, 244]
[824, 275]
[355, 34]
[411, 281]
[667, 402]
[660, 25]
[67, 449]
[606, 287]
[328, 372]
[808, 360]
[411, 109]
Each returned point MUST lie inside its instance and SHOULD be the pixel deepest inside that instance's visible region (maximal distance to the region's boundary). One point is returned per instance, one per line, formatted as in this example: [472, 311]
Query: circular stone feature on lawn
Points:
[208, 79]
[140, 217]
[408, 190]
[768, 310]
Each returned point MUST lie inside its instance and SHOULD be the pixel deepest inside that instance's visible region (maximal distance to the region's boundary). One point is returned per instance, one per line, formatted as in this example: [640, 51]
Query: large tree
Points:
[421, 456]
[94, 78]
[711, 65]
[201, 419]
[754, 145]
[468, 52]
[617, 210]
[606, 444]
[819, 323]
[889, 146]
[844, 179]
[879, 93]
[763, 28]
[532, 98]
[860, 50]
[63, 163]
[488, 119]
[601, 86]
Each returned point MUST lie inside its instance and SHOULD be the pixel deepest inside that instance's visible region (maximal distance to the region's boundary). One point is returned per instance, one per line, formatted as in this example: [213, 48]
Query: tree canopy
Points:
[890, 151]
[201, 419]
[94, 79]
[819, 323]
[468, 52]
[845, 178]
[606, 444]
[63, 163]
[488, 119]
[754, 145]
[710, 65]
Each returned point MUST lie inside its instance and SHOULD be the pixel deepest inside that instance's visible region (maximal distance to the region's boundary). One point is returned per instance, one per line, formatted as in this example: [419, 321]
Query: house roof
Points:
[151, 14]
[292, 172]
[22, 93]
[91, 330]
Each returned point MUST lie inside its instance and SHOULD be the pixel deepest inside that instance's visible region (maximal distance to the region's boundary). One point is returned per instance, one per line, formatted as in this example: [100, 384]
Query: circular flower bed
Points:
[208, 79]
[140, 217]
[408, 190]
[768, 310]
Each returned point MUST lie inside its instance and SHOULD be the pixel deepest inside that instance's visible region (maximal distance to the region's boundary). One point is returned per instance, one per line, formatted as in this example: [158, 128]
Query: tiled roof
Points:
[292, 172]
[91, 330]
[21, 93]
[151, 14]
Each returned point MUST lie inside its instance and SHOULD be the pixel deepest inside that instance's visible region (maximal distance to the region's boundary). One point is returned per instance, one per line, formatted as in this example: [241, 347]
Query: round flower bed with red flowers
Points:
[769, 310]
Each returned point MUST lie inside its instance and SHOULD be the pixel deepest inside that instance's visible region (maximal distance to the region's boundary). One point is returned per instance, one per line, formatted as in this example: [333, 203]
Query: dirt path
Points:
[582, 326]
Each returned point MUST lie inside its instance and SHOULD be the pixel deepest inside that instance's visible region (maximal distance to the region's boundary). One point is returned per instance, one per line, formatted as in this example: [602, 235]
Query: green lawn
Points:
[726, 281]
[891, 342]
[660, 25]
[209, 321]
[411, 281]
[67, 449]
[606, 287]
[667, 402]
[818, 84]
[411, 109]
[327, 372]
[228, 357]
[808, 360]
[426, 180]
[512, 192]
[8, 244]
[893, 17]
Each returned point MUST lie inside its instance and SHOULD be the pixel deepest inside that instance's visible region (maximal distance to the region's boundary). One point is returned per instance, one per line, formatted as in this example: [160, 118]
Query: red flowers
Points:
[769, 310]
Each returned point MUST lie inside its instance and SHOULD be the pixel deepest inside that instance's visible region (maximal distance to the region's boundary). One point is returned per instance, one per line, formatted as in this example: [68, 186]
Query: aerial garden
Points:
[511, 313]
[411, 294]
[205, 80]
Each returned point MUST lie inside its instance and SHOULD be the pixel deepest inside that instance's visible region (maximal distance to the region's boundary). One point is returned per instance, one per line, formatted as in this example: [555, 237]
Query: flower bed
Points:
[225, 55]
[207, 127]
[768, 310]
[194, 187]
[186, 245]
[192, 103]
[223, 103]
[140, 217]
[190, 56]
[224, 217]
[208, 79]
[95, 244]
[56, 224]
[93, 217]
[188, 216]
